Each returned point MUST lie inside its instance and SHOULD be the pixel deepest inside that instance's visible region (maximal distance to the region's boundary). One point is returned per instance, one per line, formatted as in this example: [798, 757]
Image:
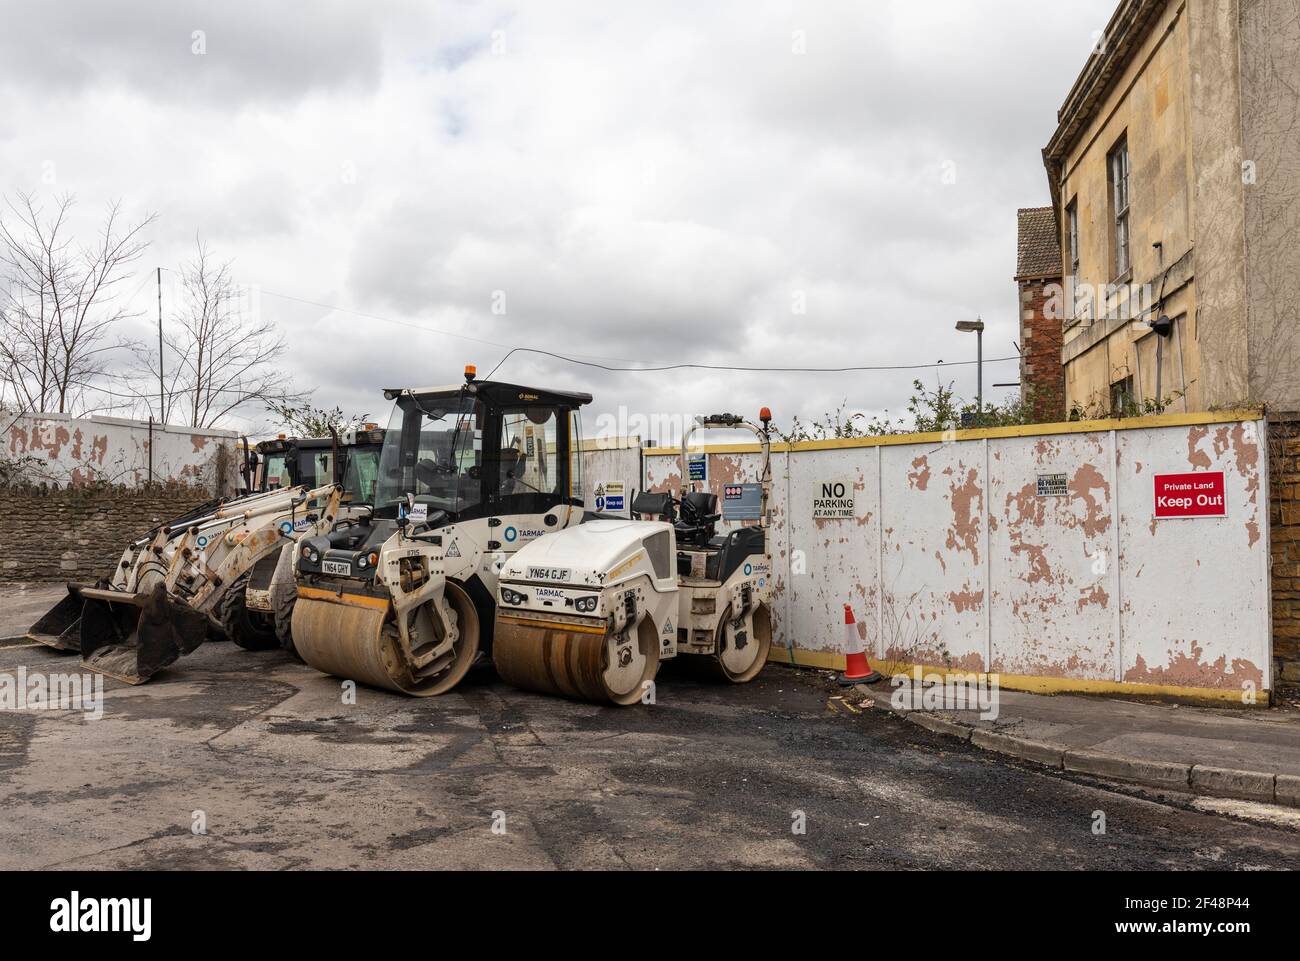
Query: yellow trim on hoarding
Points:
[990, 433]
[714, 449]
[830, 661]
[354, 600]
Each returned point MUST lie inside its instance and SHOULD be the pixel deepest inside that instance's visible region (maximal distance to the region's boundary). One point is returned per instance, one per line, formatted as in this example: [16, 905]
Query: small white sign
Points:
[1053, 485]
[835, 500]
[419, 513]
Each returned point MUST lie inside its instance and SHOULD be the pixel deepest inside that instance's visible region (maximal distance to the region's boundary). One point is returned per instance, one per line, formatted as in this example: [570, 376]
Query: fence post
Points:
[987, 500]
[1118, 583]
[880, 552]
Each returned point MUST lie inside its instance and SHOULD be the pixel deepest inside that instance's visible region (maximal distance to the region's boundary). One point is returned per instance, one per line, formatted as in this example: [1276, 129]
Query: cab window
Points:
[361, 473]
[529, 476]
[576, 493]
[447, 462]
[275, 471]
[317, 467]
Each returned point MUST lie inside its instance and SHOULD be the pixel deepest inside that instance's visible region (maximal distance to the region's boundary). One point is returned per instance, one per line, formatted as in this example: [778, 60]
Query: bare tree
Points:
[220, 355]
[60, 300]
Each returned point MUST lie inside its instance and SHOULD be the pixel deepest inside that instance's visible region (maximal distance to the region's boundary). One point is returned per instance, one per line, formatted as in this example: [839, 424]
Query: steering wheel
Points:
[427, 470]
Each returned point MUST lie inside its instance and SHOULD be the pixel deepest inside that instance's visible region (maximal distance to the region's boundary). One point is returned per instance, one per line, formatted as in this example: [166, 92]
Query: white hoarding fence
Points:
[1127, 555]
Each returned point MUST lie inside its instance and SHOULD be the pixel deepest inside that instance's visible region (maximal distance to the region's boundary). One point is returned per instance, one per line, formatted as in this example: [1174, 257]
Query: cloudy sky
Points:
[644, 183]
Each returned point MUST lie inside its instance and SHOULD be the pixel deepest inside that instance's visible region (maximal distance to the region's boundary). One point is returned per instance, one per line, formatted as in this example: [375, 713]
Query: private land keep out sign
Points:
[1190, 495]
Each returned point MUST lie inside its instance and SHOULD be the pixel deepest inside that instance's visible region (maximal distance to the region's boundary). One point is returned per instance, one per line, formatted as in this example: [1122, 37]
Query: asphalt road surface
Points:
[231, 759]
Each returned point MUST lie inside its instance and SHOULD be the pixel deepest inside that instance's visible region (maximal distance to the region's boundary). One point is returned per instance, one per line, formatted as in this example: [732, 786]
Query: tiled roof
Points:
[1038, 250]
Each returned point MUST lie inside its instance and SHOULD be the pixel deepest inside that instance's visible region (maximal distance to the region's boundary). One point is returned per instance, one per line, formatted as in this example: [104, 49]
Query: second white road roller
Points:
[592, 611]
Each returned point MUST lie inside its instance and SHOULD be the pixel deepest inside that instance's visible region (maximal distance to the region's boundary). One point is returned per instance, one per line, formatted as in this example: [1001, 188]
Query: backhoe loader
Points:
[202, 575]
[469, 474]
[256, 613]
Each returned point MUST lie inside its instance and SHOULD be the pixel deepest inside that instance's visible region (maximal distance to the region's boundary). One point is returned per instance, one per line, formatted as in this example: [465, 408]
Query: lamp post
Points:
[976, 327]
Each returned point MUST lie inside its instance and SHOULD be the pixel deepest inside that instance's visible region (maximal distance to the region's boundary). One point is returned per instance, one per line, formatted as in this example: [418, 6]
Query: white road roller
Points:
[591, 612]
[469, 474]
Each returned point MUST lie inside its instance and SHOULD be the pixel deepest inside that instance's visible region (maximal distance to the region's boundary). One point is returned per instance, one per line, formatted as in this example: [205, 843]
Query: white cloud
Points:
[647, 181]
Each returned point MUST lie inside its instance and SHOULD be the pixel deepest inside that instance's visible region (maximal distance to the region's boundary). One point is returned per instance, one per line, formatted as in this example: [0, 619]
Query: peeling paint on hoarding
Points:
[1081, 585]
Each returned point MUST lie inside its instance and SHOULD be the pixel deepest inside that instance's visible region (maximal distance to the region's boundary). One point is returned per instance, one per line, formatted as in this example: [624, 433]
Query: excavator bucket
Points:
[133, 636]
[60, 626]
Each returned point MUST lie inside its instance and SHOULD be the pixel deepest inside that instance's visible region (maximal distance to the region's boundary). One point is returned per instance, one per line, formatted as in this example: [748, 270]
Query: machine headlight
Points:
[362, 562]
[512, 597]
[585, 604]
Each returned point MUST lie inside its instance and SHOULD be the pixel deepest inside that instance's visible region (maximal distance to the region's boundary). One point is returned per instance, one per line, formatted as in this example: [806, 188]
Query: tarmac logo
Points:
[35, 691]
[946, 692]
[96, 915]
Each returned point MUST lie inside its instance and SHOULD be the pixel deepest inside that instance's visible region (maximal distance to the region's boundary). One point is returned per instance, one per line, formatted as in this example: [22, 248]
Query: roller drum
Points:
[575, 662]
[361, 643]
[742, 648]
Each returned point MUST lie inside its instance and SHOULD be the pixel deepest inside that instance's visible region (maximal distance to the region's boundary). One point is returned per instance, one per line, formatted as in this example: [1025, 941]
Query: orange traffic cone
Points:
[858, 670]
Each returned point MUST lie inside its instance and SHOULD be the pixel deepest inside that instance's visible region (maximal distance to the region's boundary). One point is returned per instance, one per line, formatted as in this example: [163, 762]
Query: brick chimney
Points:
[1038, 270]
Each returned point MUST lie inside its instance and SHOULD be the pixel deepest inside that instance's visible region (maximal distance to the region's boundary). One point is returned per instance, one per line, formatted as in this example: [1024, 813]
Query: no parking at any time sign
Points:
[835, 500]
[1191, 495]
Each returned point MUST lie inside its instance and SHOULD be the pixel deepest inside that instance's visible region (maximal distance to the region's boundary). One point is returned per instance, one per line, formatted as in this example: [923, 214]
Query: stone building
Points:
[1175, 178]
[1038, 275]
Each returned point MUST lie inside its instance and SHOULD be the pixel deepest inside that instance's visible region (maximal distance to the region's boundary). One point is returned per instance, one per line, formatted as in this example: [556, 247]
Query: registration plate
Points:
[337, 567]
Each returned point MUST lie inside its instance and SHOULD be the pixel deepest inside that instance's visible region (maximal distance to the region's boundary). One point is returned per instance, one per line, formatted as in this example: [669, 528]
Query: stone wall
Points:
[1270, 118]
[1284, 531]
[78, 533]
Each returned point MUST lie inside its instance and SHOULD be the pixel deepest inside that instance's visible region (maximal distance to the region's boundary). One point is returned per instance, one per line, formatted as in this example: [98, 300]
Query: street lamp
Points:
[976, 327]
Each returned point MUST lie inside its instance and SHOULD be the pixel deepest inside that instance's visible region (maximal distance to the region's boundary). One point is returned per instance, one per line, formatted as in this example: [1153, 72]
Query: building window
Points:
[1072, 248]
[1119, 194]
[1072, 219]
[1122, 399]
